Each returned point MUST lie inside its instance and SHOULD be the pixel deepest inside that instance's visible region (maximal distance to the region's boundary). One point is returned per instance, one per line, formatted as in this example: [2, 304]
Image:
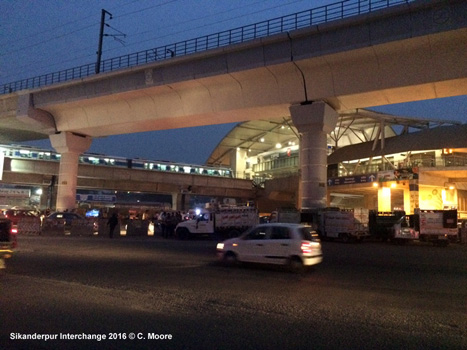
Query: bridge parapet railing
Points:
[303, 19]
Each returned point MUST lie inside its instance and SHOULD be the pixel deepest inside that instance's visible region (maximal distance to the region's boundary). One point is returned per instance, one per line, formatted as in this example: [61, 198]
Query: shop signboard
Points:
[106, 198]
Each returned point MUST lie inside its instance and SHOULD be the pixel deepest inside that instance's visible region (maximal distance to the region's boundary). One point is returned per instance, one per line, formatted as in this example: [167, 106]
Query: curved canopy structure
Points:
[354, 127]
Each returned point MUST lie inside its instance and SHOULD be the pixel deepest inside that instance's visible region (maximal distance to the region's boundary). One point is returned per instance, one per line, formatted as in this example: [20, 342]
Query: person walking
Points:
[113, 222]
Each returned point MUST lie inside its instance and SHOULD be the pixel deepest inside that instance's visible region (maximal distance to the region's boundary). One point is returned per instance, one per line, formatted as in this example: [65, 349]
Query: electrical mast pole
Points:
[101, 37]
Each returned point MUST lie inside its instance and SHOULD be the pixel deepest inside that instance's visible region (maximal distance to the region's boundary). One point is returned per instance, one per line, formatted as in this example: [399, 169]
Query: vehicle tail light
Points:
[14, 230]
[306, 247]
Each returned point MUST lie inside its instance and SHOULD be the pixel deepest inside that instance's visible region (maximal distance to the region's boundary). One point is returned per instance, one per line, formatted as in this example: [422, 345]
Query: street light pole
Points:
[101, 37]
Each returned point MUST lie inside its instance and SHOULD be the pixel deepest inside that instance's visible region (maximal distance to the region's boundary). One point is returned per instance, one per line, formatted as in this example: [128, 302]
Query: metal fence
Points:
[323, 14]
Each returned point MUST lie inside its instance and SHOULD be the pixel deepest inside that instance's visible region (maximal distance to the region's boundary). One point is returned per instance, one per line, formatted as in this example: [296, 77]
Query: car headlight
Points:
[220, 246]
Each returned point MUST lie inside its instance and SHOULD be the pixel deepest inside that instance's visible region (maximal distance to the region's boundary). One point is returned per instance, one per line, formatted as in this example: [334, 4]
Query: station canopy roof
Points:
[353, 127]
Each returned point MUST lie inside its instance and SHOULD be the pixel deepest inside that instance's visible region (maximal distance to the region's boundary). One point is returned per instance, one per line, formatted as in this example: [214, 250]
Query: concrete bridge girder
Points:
[44, 181]
[39, 173]
[164, 188]
[408, 70]
[229, 98]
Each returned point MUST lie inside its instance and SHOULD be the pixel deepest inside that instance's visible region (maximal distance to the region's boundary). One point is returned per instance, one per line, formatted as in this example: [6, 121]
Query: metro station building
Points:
[375, 161]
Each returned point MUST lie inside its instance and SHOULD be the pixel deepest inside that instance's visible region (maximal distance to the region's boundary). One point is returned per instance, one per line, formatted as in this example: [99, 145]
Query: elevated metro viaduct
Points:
[40, 173]
[403, 53]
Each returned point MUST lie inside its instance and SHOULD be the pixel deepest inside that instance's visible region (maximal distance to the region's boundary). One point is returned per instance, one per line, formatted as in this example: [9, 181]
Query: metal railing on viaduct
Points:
[315, 16]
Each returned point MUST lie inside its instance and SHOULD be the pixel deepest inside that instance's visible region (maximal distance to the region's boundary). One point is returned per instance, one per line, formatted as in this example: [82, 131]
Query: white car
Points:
[294, 245]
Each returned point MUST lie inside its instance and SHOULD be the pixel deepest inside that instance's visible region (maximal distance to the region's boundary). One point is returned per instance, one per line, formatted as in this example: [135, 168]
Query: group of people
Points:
[164, 222]
[167, 222]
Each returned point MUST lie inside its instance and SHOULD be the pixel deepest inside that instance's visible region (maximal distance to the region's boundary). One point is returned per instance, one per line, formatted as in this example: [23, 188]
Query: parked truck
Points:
[222, 221]
[345, 224]
[285, 215]
[387, 226]
[436, 226]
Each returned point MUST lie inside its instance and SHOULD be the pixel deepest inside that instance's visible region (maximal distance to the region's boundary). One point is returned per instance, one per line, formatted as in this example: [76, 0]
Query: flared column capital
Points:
[316, 116]
[67, 142]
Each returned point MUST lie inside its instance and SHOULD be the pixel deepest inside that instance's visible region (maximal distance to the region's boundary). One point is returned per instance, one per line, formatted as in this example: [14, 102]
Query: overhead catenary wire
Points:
[204, 25]
[53, 29]
[139, 33]
[79, 59]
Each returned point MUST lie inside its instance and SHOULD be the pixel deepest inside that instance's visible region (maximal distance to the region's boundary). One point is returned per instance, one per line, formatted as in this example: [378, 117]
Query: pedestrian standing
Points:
[113, 222]
[162, 218]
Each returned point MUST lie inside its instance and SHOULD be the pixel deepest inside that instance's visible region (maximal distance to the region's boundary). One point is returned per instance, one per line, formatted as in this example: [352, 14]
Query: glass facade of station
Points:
[401, 181]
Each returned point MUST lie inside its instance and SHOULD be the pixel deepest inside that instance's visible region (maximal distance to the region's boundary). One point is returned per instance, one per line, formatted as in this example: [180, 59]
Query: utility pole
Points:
[101, 37]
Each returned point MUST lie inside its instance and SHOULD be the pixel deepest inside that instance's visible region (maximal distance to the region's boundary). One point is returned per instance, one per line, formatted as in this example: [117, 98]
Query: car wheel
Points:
[441, 243]
[230, 259]
[345, 237]
[296, 264]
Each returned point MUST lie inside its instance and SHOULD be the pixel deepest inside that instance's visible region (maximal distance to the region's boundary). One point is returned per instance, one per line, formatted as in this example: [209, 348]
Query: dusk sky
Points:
[44, 36]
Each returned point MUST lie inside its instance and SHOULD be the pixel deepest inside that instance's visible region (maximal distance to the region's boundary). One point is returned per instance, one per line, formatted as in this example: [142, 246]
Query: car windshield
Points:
[307, 234]
[256, 233]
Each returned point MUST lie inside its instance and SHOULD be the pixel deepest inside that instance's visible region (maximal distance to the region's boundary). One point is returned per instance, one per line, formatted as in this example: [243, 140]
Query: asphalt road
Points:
[170, 294]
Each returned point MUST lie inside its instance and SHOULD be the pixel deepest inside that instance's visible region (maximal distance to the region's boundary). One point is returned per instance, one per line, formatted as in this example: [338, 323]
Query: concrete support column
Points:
[44, 196]
[238, 161]
[175, 201]
[414, 196]
[181, 201]
[313, 121]
[70, 146]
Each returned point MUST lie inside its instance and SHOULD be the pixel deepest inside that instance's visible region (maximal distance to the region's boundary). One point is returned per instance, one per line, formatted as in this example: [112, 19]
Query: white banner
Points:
[14, 192]
[2, 158]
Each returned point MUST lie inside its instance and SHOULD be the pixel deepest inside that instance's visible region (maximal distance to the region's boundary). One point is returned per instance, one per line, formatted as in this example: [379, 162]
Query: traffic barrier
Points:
[82, 227]
[137, 228]
[59, 227]
[29, 226]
